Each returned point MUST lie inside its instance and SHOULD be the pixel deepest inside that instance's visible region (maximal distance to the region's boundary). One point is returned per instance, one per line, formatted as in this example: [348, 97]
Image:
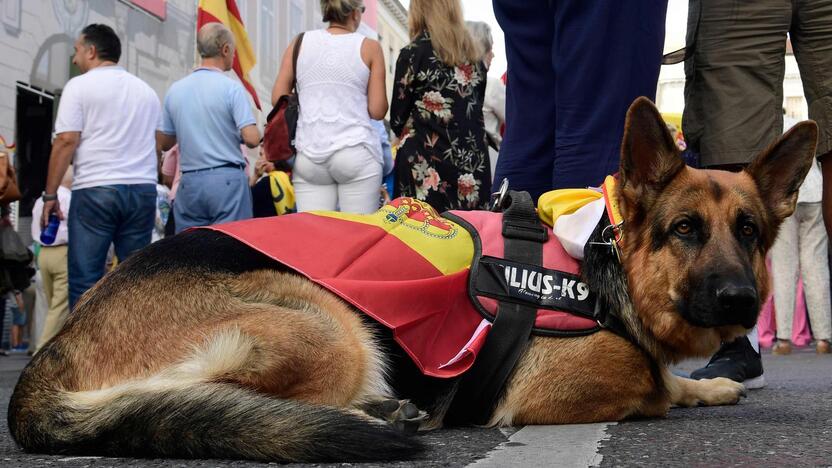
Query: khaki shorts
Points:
[734, 74]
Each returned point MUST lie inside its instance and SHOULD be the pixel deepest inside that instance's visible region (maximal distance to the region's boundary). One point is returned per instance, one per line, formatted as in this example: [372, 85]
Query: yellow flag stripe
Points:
[245, 51]
[219, 10]
[448, 250]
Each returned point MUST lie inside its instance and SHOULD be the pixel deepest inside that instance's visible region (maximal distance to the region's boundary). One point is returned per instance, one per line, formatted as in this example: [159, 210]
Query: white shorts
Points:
[347, 181]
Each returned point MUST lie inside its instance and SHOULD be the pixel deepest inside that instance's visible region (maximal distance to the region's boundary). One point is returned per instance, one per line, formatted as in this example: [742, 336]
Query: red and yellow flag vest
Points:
[410, 269]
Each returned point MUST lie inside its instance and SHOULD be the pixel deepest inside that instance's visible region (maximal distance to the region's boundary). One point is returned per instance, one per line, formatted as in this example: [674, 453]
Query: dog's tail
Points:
[183, 413]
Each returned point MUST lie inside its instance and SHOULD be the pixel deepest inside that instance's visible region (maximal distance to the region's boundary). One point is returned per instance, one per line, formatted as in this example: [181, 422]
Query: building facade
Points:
[391, 26]
[271, 26]
[36, 43]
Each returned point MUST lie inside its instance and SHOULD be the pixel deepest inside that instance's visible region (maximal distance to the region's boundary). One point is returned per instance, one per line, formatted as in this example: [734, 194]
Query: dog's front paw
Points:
[408, 417]
[401, 414]
[720, 391]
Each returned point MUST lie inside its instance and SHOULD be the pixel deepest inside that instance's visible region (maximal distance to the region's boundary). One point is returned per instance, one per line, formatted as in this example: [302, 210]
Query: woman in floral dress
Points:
[437, 111]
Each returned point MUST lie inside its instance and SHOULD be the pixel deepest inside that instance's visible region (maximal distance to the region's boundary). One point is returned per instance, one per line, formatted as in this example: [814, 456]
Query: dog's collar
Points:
[573, 214]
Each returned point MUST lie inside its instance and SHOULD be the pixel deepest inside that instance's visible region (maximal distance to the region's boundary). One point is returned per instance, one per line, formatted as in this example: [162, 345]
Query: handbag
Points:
[12, 248]
[9, 191]
[282, 122]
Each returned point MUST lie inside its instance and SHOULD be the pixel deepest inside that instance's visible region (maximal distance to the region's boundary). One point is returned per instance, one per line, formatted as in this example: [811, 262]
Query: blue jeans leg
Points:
[91, 225]
[99, 216]
[138, 216]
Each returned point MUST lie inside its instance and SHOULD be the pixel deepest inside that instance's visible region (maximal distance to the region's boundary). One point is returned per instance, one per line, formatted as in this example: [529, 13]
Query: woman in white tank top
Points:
[341, 86]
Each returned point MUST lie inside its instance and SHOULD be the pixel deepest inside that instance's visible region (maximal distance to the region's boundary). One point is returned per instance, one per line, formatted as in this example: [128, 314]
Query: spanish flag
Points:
[226, 12]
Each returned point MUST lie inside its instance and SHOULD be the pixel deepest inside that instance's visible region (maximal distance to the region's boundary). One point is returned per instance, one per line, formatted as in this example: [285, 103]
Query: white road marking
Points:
[571, 445]
[77, 458]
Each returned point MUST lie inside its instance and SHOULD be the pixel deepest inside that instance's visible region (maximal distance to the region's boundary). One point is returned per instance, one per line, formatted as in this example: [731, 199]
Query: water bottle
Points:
[47, 236]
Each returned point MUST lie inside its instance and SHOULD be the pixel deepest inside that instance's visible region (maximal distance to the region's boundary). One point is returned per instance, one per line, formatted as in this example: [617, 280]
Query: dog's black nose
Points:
[738, 299]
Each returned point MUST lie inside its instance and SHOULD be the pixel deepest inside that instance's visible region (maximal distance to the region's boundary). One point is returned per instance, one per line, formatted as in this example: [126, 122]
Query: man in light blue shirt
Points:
[209, 115]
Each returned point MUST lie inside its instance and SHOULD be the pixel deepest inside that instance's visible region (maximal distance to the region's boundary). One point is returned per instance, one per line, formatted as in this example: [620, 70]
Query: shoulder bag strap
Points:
[295, 54]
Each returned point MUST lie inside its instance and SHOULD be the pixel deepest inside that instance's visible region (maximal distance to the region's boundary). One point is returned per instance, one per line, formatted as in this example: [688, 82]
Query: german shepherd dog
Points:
[199, 346]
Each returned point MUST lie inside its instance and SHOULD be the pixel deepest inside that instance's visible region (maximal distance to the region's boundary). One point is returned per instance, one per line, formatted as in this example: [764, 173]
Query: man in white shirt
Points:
[107, 121]
[52, 263]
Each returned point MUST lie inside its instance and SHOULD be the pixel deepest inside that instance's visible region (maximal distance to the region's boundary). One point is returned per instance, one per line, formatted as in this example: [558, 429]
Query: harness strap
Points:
[611, 322]
[481, 387]
[521, 223]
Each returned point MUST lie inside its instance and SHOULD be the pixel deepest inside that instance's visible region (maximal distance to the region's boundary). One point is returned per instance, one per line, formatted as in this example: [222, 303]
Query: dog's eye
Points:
[748, 230]
[683, 228]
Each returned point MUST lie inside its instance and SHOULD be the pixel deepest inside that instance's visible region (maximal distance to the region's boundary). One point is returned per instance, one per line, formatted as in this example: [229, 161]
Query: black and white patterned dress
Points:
[437, 112]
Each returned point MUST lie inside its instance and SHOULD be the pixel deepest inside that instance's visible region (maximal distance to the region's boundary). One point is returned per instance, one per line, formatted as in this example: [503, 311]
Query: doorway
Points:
[34, 118]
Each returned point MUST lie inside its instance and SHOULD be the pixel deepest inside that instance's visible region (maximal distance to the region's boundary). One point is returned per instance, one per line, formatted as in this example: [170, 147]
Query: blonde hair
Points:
[337, 11]
[442, 19]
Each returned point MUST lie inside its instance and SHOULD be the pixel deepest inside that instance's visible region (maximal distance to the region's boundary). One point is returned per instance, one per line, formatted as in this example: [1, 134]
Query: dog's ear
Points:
[779, 170]
[649, 157]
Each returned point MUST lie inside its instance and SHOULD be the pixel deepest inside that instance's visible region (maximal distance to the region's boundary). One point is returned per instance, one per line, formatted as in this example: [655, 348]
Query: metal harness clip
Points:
[610, 237]
[499, 196]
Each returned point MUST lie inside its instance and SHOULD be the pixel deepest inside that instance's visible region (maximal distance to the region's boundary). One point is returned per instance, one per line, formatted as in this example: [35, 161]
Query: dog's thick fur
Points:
[199, 346]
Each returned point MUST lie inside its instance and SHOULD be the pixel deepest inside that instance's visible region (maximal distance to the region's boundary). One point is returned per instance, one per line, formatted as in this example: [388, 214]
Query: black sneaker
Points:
[737, 361]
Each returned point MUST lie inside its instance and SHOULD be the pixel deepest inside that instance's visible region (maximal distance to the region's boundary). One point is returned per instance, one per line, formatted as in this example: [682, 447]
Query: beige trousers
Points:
[52, 262]
[801, 245]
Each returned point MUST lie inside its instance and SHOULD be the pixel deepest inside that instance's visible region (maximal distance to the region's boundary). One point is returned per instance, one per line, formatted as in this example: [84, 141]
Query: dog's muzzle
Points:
[722, 303]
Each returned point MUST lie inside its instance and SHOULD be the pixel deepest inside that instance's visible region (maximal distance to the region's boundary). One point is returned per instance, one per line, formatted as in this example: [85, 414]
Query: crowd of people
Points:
[452, 130]
[183, 162]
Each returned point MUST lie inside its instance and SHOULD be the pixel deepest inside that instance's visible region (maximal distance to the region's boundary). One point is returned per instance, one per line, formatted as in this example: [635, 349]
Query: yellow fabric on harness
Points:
[556, 203]
[612, 201]
[283, 192]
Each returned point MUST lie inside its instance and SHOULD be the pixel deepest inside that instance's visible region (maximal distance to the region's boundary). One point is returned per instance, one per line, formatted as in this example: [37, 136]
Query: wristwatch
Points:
[49, 197]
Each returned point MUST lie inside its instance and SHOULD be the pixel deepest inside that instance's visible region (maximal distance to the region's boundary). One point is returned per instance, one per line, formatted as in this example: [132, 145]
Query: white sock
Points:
[754, 339]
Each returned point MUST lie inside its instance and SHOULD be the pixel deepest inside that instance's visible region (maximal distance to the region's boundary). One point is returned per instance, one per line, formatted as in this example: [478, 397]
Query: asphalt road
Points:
[788, 423]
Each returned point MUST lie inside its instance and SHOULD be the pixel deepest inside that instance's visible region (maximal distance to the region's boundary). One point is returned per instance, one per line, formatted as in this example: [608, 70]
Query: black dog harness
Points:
[482, 385]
